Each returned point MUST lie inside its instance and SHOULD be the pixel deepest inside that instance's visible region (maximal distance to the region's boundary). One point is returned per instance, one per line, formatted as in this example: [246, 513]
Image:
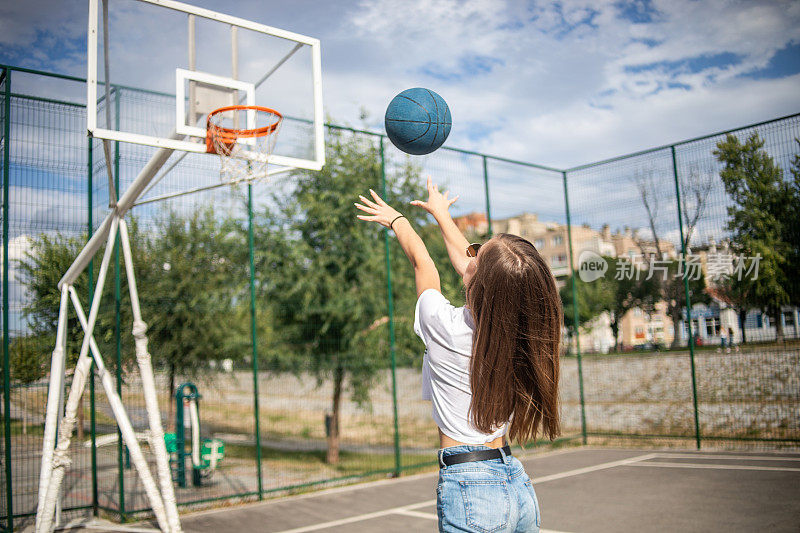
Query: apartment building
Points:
[552, 241]
[713, 322]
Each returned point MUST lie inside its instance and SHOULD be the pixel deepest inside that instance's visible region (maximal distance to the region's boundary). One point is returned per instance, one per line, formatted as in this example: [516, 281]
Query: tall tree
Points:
[792, 231]
[758, 220]
[40, 270]
[192, 290]
[654, 191]
[187, 284]
[324, 273]
[627, 291]
[27, 366]
[673, 292]
[45, 262]
[593, 298]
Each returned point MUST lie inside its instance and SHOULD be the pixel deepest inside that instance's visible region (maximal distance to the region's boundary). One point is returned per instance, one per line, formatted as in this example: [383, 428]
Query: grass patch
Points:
[17, 427]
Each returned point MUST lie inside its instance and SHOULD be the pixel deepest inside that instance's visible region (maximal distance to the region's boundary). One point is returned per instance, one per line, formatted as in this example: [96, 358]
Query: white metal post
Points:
[319, 127]
[149, 388]
[192, 115]
[60, 458]
[61, 396]
[53, 401]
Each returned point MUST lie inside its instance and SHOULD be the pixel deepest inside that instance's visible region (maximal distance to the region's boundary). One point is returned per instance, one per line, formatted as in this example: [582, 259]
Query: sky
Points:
[555, 83]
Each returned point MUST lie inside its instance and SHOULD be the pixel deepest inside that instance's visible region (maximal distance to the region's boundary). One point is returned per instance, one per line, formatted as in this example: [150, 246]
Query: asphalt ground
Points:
[579, 490]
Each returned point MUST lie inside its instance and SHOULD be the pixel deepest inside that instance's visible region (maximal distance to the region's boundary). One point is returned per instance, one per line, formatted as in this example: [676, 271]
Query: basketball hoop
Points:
[243, 153]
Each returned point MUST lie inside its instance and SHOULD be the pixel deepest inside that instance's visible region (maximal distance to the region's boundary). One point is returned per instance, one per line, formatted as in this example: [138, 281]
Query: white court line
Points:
[355, 486]
[716, 467]
[430, 516]
[402, 509]
[668, 455]
[417, 514]
[358, 518]
[601, 466]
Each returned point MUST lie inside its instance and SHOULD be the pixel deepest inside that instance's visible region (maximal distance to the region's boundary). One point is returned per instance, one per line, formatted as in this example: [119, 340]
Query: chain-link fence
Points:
[295, 321]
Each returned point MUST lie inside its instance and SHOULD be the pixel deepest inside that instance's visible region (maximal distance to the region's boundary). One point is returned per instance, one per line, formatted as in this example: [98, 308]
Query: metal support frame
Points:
[254, 335]
[486, 193]
[390, 312]
[6, 355]
[576, 316]
[55, 458]
[180, 433]
[688, 298]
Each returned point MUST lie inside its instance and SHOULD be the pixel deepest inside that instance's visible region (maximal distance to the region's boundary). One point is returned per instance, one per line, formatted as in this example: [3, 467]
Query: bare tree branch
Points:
[695, 189]
[645, 184]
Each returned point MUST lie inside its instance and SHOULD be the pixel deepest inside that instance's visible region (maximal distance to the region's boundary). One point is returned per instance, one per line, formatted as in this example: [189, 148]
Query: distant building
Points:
[711, 323]
[473, 224]
[717, 322]
[551, 239]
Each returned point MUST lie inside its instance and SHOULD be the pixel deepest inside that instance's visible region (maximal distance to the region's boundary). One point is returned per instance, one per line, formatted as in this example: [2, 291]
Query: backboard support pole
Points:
[112, 193]
[127, 200]
[192, 66]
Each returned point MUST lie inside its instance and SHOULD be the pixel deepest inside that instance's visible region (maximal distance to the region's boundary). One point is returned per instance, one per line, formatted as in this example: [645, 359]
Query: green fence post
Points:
[253, 333]
[486, 191]
[390, 306]
[118, 323]
[90, 285]
[6, 362]
[575, 315]
[688, 298]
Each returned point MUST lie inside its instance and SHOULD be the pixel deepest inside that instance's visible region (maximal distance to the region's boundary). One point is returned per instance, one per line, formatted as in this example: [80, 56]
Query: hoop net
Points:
[243, 153]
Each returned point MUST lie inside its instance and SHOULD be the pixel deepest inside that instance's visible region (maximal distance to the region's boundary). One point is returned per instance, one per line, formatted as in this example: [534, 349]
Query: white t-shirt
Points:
[447, 334]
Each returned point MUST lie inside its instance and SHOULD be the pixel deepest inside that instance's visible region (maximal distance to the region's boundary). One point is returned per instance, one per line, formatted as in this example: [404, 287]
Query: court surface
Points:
[579, 490]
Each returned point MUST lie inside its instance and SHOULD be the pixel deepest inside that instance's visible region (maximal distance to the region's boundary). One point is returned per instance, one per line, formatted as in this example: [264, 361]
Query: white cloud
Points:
[557, 83]
[563, 94]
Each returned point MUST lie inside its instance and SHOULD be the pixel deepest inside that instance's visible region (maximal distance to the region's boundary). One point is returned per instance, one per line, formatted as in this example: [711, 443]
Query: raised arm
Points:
[425, 274]
[438, 205]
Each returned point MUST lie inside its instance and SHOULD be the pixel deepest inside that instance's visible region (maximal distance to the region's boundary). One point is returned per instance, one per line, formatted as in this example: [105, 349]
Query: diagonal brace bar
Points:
[128, 434]
[53, 400]
[60, 459]
[149, 388]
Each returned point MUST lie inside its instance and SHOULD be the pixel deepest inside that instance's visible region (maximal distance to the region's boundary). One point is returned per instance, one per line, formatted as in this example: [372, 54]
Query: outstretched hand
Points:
[438, 203]
[377, 210]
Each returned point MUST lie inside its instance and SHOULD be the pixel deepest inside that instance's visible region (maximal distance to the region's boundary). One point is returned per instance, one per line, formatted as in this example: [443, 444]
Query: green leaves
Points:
[190, 288]
[761, 220]
[322, 272]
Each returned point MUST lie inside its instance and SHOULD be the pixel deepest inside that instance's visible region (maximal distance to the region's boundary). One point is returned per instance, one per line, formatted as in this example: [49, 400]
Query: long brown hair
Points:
[514, 369]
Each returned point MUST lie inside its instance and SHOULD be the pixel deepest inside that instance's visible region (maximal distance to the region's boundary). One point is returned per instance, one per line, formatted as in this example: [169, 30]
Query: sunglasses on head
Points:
[472, 249]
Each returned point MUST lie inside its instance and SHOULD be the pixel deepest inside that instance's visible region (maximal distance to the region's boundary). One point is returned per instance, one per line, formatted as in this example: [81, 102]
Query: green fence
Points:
[314, 379]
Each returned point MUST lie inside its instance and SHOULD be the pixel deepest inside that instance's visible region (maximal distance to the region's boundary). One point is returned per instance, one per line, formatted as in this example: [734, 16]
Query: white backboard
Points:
[168, 62]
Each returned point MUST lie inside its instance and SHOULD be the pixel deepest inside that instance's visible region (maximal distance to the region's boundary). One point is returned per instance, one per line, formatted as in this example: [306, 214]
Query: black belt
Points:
[468, 457]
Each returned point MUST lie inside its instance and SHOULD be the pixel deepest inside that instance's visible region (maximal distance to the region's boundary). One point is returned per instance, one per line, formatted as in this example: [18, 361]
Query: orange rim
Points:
[230, 135]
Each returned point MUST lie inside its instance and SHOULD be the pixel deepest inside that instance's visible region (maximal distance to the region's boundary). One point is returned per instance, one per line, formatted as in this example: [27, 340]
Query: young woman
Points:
[490, 368]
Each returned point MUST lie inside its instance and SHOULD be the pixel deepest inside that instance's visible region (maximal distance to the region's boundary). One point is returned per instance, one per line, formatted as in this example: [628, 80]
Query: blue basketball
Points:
[418, 121]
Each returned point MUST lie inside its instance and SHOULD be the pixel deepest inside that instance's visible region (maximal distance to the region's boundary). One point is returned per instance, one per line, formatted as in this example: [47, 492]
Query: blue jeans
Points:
[491, 496]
